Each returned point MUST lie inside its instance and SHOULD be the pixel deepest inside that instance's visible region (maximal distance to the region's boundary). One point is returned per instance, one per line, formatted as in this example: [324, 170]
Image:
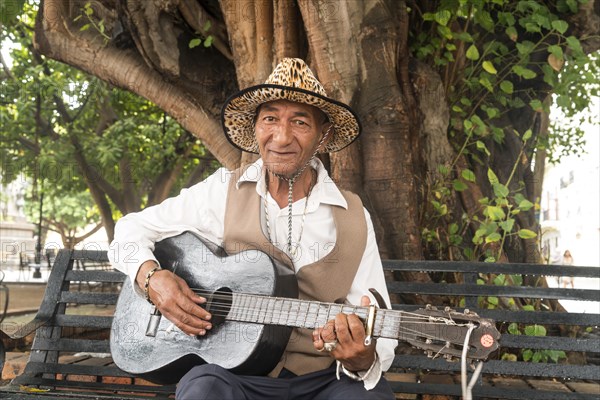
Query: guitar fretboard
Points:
[307, 314]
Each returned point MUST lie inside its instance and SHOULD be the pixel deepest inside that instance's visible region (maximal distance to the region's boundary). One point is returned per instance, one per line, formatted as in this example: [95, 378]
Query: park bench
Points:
[70, 354]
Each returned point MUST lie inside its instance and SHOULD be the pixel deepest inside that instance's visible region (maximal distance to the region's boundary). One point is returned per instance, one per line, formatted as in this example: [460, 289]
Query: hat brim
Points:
[239, 111]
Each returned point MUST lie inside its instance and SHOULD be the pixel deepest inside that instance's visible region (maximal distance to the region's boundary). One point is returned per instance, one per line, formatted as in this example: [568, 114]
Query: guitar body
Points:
[245, 348]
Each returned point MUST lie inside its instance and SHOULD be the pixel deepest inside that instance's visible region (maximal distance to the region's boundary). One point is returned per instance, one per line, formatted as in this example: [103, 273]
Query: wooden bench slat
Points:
[89, 298]
[90, 255]
[515, 368]
[488, 290]
[78, 369]
[86, 321]
[488, 392]
[490, 268]
[550, 343]
[72, 345]
[121, 388]
[96, 276]
[529, 317]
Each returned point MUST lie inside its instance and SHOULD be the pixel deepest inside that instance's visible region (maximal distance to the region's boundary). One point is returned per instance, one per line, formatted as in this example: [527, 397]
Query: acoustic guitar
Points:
[252, 300]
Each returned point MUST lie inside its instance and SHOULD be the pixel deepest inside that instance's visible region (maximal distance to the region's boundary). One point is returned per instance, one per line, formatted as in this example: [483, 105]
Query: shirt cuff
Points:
[370, 378]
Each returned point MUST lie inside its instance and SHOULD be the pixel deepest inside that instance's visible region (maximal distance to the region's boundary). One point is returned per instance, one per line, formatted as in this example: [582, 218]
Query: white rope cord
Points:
[468, 388]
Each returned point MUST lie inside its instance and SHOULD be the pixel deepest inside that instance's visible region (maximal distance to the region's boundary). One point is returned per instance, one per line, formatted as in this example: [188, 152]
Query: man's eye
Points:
[269, 119]
[299, 122]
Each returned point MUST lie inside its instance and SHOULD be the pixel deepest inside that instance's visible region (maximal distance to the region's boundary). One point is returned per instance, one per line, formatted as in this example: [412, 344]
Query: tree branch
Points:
[53, 40]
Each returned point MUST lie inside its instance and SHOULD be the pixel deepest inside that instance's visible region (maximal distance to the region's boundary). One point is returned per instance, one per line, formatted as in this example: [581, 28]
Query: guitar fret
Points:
[280, 301]
[269, 311]
[302, 314]
[287, 306]
[294, 307]
[234, 308]
[261, 312]
[313, 309]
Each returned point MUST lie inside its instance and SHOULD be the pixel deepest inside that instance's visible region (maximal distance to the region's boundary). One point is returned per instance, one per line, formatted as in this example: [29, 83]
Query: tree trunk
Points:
[358, 49]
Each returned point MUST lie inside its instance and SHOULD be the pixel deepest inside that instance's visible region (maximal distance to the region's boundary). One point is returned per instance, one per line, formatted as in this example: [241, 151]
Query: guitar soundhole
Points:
[219, 305]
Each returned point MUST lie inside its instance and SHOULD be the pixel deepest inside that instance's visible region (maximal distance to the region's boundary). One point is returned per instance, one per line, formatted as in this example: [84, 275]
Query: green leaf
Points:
[500, 190]
[481, 146]
[194, 43]
[523, 72]
[442, 17]
[472, 53]
[442, 169]
[492, 176]
[574, 45]
[209, 41]
[511, 32]
[206, 26]
[468, 175]
[527, 135]
[513, 329]
[453, 228]
[490, 260]
[485, 82]
[536, 105]
[509, 357]
[459, 185]
[507, 87]
[495, 213]
[489, 67]
[535, 330]
[10, 10]
[527, 354]
[492, 300]
[484, 19]
[526, 234]
[494, 237]
[525, 205]
[528, 307]
[85, 27]
[508, 225]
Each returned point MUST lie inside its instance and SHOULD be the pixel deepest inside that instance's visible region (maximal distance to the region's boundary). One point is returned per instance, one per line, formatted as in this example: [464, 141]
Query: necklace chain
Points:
[291, 250]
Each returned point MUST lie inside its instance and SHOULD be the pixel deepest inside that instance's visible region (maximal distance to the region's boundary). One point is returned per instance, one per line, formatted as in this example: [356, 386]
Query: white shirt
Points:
[201, 209]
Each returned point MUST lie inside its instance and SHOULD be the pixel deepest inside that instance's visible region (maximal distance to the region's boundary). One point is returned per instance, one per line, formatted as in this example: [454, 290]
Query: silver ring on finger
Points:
[330, 346]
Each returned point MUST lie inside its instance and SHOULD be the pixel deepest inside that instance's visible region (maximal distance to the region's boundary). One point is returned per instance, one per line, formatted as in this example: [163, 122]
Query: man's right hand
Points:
[175, 300]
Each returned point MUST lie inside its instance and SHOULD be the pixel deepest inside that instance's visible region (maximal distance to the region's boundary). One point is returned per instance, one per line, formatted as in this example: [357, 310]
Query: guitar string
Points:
[227, 305]
[394, 331]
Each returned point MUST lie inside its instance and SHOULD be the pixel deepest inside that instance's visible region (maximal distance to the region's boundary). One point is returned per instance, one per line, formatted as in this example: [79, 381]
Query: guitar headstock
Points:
[443, 333]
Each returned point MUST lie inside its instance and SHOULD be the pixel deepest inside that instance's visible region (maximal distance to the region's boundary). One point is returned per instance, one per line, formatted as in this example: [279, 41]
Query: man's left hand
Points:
[349, 332]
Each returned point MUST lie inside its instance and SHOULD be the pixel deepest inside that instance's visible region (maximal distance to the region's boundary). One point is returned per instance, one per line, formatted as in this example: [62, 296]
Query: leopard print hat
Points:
[291, 80]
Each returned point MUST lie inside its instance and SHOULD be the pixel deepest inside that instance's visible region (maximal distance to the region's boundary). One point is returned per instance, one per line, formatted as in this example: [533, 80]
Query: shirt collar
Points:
[324, 191]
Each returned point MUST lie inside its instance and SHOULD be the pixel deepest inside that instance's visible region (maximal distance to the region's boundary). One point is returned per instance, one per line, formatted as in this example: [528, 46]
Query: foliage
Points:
[533, 355]
[498, 59]
[75, 132]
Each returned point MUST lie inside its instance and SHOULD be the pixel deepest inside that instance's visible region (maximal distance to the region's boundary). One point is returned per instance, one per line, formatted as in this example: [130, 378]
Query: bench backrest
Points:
[503, 292]
[70, 350]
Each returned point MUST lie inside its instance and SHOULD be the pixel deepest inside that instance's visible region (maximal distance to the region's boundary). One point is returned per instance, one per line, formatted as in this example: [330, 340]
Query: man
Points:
[285, 205]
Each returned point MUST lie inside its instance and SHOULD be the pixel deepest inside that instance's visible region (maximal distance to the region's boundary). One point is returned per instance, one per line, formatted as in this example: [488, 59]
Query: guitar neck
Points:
[307, 314]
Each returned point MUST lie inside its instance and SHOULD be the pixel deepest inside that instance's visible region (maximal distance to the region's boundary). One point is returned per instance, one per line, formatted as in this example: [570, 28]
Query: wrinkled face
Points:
[288, 134]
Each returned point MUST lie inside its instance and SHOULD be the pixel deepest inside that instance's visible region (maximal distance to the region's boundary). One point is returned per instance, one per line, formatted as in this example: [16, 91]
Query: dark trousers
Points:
[208, 382]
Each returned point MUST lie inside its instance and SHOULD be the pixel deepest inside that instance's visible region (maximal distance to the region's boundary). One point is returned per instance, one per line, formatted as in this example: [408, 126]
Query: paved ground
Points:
[22, 297]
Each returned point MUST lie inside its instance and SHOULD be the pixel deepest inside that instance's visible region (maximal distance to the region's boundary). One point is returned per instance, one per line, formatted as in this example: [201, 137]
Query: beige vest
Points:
[327, 279]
